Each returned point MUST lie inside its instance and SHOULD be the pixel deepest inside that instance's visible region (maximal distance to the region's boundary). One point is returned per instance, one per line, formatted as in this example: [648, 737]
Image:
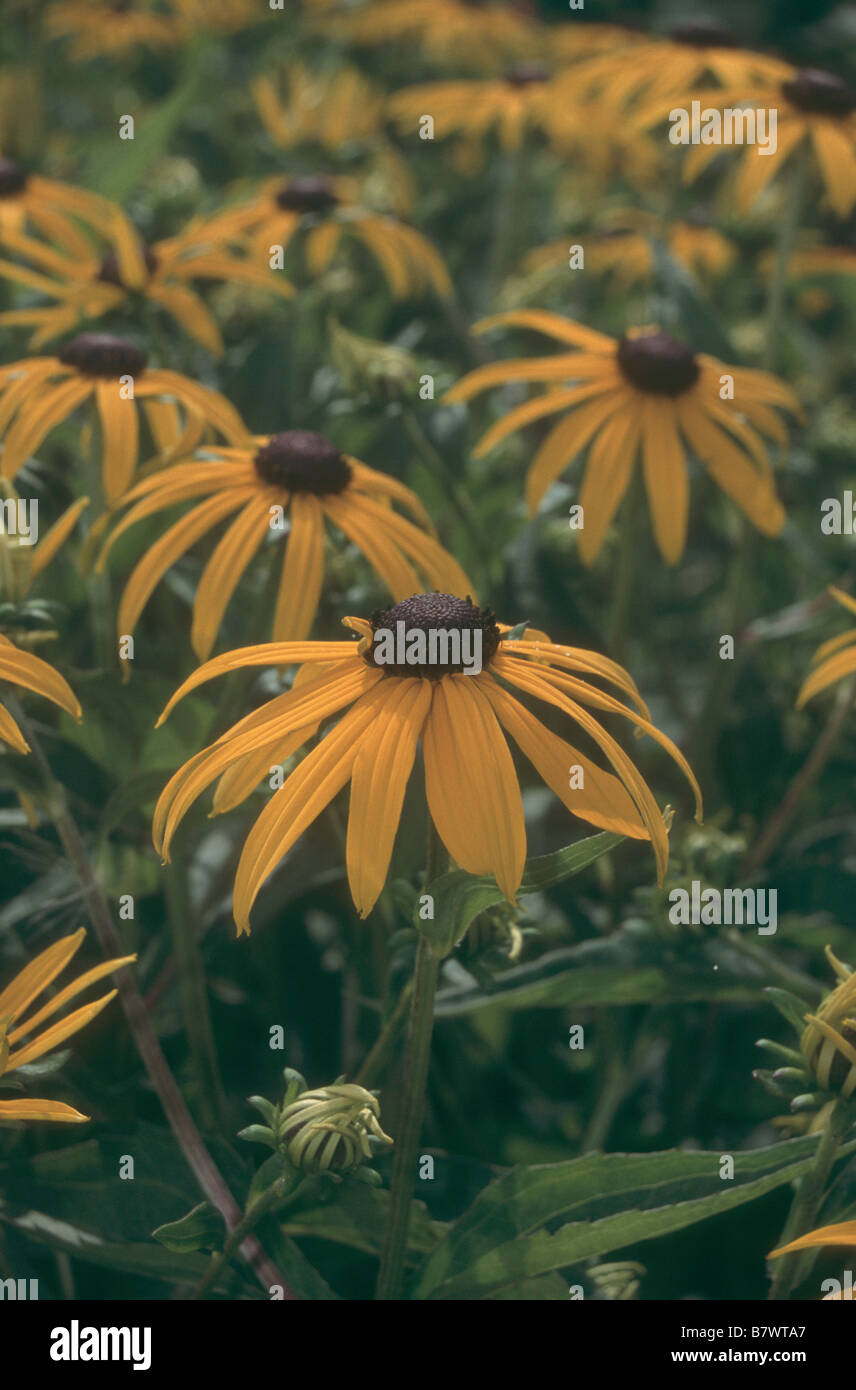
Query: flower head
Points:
[296, 478]
[325, 212]
[17, 997]
[116, 266]
[29, 202]
[38, 393]
[410, 679]
[330, 1129]
[816, 113]
[645, 394]
[624, 249]
[477, 34]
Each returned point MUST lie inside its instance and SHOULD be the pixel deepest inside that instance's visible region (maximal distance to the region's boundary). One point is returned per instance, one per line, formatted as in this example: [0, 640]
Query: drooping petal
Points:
[471, 785]
[380, 774]
[302, 570]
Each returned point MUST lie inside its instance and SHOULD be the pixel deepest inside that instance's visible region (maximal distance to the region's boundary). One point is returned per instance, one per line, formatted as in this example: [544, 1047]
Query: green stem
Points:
[787, 235]
[194, 997]
[417, 1057]
[180, 1120]
[385, 1044]
[267, 1202]
[806, 777]
[808, 1197]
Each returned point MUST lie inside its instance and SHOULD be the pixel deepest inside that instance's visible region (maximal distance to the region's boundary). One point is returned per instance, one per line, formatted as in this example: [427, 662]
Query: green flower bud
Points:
[331, 1129]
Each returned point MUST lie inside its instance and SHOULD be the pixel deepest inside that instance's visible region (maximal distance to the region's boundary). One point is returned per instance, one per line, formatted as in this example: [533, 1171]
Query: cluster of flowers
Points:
[643, 400]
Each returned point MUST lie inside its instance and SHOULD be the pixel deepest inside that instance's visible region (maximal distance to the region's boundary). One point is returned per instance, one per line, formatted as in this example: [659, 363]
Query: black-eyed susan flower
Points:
[119, 267]
[326, 212]
[523, 101]
[624, 248]
[403, 684]
[15, 1000]
[27, 672]
[645, 394]
[473, 34]
[834, 660]
[330, 109]
[29, 201]
[296, 479]
[38, 393]
[693, 52]
[816, 112]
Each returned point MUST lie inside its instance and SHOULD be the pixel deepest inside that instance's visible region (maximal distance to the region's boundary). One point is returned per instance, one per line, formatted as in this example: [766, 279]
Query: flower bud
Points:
[828, 1043]
[331, 1129]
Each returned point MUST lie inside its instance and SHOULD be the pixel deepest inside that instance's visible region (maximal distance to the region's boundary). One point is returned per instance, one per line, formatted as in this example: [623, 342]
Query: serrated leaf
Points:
[501, 1240]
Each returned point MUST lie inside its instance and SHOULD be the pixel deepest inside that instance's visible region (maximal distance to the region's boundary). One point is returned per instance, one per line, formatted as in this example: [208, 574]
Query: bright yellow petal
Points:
[565, 441]
[302, 570]
[224, 570]
[666, 480]
[53, 1110]
[379, 779]
[37, 975]
[471, 785]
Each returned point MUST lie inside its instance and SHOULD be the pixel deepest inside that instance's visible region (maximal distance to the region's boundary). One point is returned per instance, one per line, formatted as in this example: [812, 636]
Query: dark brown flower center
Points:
[302, 461]
[432, 635]
[109, 269]
[657, 363]
[703, 33]
[526, 74]
[307, 193]
[13, 179]
[101, 354]
[819, 93]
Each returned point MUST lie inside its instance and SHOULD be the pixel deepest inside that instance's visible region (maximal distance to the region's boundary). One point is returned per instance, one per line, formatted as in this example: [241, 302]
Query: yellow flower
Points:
[28, 201]
[470, 782]
[326, 211]
[623, 249]
[296, 475]
[38, 393]
[99, 279]
[17, 997]
[645, 393]
[524, 100]
[691, 53]
[328, 109]
[22, 669]
[834, 660]
[817, 111]
[476, 35]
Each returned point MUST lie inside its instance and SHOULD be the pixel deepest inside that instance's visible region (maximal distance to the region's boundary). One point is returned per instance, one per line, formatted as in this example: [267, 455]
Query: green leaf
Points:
[459, 897]
[616, 1200]
[203, 1228]
[625, 968]
[118, 167]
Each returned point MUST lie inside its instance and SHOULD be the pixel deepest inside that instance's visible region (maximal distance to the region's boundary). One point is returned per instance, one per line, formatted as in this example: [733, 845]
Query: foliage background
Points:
[671, 1068]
